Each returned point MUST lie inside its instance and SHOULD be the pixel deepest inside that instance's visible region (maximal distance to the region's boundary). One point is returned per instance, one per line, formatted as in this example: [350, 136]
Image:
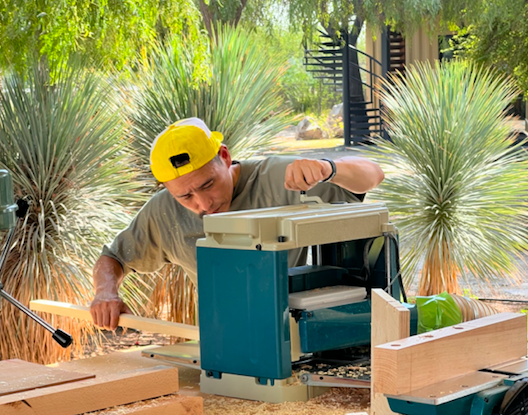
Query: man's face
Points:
[208, 189]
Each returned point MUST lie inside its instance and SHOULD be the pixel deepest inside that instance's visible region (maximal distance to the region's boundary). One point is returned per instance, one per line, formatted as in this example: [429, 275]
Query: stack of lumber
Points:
[403, 364]
[111, 381]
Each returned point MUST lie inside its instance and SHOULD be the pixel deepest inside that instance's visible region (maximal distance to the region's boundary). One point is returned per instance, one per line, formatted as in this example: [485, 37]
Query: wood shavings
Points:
[346, 371]
[125, 409]
[337, 401]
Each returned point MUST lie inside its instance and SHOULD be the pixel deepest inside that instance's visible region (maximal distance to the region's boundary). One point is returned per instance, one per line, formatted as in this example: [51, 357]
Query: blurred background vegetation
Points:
[86, 85]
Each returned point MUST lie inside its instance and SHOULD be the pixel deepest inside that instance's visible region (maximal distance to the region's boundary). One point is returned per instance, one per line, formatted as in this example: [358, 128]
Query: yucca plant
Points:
[455, 182]
[62, 139]
[237, 93]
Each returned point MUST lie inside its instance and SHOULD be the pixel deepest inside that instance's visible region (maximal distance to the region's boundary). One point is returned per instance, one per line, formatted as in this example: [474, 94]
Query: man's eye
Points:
[208, 186]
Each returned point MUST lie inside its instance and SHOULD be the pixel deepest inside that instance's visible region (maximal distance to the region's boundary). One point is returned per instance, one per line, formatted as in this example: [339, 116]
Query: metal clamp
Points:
[310, 199]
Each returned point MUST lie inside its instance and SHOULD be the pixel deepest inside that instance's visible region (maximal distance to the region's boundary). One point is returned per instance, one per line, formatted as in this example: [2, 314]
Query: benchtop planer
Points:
[260, 316]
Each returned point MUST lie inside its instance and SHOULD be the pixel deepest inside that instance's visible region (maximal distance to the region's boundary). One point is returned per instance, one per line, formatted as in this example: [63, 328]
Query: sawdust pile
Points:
[126, 409]
[337, 401]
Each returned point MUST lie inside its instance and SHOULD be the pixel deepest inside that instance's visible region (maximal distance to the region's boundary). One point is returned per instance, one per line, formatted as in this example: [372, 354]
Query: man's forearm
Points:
[357, 174]
[106, 306]
[107, 277]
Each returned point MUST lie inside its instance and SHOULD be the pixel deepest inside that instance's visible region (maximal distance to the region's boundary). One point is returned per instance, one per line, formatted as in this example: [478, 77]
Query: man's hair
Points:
[217, 158]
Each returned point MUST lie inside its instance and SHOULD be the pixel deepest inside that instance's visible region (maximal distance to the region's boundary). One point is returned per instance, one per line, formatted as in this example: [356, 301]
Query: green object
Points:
[437, 311]
[480, 403]
[7, 206]
[461, 406]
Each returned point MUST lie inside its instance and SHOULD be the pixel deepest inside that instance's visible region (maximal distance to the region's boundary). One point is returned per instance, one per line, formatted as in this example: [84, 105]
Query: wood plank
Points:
[124, 361]
[390, 321]
[173, 405]
[425, 359]
[107, 390]
[19, 376]
[185, 331]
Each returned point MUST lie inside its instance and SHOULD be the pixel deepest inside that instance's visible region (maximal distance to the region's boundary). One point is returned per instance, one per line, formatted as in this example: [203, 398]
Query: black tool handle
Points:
[63, 338]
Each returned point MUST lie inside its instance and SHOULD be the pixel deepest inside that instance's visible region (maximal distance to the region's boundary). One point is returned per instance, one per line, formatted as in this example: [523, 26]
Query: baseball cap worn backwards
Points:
[182, 148]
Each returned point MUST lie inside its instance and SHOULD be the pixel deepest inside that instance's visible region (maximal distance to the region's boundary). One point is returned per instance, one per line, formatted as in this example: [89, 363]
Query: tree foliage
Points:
[500, 40]
[111, 32]
[216, 12]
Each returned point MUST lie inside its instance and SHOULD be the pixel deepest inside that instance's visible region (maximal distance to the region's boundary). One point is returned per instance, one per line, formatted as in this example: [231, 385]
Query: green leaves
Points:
[455, 184]
[109, 32]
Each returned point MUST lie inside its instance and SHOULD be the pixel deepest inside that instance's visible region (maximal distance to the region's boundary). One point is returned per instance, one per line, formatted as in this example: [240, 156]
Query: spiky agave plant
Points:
[62, 140]
[239, 96]
[455, 183]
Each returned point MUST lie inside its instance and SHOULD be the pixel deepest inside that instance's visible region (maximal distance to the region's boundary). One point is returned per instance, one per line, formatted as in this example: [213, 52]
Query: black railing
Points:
[358, 84]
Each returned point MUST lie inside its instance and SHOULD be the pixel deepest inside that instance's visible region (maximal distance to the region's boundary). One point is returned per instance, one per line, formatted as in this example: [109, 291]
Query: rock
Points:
[308, 129]
[336, 113]
[335, 120]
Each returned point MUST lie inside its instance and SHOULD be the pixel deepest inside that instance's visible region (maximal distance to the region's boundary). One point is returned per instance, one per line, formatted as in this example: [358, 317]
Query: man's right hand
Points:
[106, 309]
[107, 305]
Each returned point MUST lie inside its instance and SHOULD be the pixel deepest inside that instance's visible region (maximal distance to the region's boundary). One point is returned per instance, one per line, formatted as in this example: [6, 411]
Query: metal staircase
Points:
[396, 52]
[361, 115]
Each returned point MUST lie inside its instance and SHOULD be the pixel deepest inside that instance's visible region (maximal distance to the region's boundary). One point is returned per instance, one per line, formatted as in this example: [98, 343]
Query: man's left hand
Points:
[304, 174]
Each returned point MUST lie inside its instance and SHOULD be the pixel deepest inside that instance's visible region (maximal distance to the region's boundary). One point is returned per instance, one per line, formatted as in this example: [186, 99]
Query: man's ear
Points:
[224, 154]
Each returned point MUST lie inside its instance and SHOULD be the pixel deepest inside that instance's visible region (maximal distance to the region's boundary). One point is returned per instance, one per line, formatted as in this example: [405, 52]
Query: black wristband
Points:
[334, 171]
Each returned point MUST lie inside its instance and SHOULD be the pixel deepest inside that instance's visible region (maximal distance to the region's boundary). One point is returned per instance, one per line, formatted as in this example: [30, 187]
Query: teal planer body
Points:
[259, 314]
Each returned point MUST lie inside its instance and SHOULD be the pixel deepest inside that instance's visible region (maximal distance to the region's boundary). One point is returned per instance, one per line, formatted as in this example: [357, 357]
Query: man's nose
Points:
[205, 203]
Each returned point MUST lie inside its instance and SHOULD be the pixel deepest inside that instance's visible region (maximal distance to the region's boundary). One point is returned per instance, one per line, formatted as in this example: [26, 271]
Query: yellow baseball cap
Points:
[183, 147]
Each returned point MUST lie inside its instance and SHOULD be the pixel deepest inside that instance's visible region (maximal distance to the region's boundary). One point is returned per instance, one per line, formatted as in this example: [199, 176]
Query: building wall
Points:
[419, 48]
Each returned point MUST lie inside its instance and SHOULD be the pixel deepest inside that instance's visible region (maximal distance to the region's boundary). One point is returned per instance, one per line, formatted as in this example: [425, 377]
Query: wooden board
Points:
[122, 362]
[112, 387]
[429, 358]
[185, 331]
[390, 321]
[19, 376]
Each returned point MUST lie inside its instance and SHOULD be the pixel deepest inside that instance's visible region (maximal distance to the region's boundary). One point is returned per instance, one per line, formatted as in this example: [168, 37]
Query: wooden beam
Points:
[419, 361]
[185, 331]
[20, 376]
[93, 394]
[390, 321]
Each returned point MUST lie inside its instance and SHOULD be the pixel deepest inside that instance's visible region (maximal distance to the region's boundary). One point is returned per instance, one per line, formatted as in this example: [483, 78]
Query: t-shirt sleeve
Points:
[139, 247]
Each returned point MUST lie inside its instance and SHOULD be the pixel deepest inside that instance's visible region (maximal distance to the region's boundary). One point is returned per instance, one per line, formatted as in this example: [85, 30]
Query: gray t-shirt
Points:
[165, 232]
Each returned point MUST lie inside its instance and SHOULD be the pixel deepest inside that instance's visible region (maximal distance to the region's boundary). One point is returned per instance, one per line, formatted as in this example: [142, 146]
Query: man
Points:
[201, 179]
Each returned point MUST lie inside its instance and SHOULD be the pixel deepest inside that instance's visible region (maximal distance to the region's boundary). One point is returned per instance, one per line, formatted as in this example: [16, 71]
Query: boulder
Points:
[335, 120]
[308, 129]
[336, 113]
